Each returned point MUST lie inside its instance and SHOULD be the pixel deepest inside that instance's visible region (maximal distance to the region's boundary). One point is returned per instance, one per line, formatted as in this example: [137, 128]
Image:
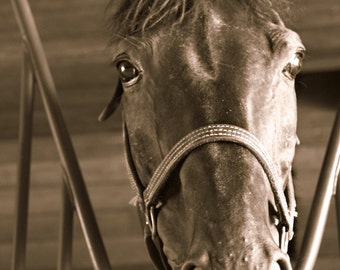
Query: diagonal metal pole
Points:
[66, 229]
[23, 177]
[321, 202]
[337, 208]
[60, 134]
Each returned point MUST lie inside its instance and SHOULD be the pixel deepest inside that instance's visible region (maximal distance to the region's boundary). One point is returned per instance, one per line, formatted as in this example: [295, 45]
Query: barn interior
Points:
[75, 41]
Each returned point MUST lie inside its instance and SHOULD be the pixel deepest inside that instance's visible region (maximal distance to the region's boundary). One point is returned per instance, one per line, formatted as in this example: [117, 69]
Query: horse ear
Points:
[113, 104]
[277, 19]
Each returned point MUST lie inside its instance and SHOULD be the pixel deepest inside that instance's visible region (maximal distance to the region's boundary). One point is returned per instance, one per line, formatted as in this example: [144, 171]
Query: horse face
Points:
[222, 67]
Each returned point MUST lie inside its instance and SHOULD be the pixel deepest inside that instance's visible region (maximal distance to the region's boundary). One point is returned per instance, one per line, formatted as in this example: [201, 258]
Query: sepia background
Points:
[74, 38]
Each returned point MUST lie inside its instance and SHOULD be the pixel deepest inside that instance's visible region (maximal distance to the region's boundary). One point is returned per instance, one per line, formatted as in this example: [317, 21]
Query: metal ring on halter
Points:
[151, 221]
[284, 239]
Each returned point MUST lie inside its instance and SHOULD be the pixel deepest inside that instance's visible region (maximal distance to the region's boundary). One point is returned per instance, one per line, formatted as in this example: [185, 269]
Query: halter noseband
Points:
[148, 198]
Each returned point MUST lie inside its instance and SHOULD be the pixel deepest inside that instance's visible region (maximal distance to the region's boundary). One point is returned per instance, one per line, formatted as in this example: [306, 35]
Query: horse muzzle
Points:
[275, 260]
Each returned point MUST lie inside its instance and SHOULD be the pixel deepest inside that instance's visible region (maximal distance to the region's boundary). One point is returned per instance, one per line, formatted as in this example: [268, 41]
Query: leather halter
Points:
[148, 197]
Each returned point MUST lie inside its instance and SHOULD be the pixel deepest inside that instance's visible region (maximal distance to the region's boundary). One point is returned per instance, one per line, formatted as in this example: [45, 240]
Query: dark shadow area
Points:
[133, 267]
[321, 89]
[141, 266]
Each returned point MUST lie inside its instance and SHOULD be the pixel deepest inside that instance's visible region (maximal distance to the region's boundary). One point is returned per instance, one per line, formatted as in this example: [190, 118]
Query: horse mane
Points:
[133, 17]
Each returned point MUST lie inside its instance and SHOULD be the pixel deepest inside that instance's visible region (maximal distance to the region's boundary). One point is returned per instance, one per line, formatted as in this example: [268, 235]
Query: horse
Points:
[209, 121]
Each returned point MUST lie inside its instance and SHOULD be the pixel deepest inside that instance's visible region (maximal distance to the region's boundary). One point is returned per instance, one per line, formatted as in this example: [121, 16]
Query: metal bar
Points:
[321, 202]
[23, 177]
[66, 229]
[337, 208]
[60, 134]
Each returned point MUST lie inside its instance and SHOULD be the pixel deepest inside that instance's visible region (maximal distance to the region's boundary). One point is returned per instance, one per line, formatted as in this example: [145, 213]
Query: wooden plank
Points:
[318, 24]
[43, 256]
[104, 170]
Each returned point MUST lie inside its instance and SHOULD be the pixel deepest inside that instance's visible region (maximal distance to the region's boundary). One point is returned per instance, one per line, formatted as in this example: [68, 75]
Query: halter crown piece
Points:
[147, 198]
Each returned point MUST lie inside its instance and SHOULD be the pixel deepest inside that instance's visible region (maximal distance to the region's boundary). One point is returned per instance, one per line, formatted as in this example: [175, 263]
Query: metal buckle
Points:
[151, 221]
[284, 239]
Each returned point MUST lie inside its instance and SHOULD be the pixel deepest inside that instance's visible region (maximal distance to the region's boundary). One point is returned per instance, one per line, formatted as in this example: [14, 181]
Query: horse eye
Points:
[128, 73]
[293, 67]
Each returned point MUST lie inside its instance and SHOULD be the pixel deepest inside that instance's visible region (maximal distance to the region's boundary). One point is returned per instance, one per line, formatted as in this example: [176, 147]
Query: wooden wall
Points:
[318, 24]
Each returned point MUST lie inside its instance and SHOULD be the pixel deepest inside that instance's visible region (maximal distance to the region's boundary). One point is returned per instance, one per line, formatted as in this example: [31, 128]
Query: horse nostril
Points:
[199, 261]
[190, 266]
[281, 265]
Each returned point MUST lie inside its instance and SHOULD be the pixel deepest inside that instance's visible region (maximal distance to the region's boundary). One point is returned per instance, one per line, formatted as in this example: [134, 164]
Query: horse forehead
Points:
[216, 44]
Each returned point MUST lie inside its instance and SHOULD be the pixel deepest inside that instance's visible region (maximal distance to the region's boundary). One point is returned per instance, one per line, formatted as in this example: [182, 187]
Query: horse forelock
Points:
[132, 17]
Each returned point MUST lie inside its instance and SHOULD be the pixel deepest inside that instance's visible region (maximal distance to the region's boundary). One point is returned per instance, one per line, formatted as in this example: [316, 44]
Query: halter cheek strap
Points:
[152, 241]
[148, 197]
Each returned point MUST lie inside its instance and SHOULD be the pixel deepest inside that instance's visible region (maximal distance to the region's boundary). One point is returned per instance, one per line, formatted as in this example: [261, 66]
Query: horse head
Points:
[219, 74]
